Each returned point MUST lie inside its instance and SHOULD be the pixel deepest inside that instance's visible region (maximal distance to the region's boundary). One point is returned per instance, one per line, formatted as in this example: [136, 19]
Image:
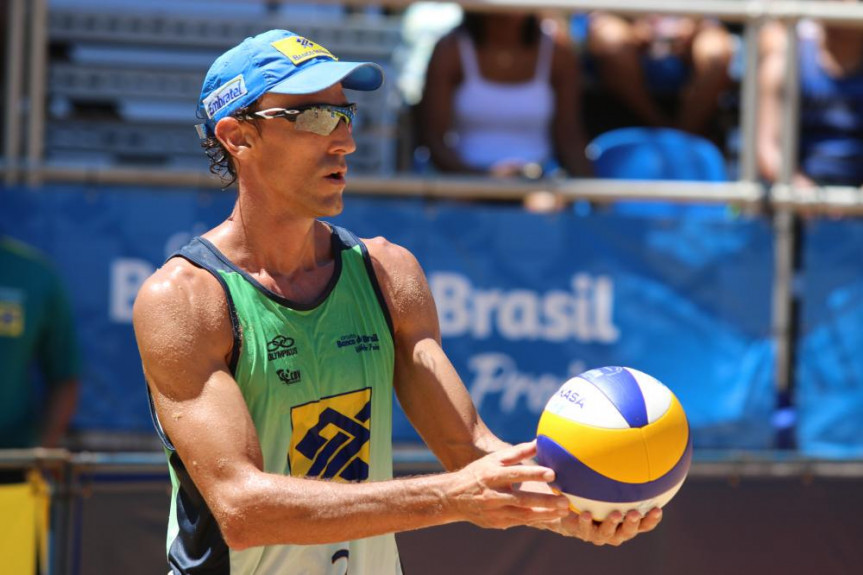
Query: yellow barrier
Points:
[24, 508]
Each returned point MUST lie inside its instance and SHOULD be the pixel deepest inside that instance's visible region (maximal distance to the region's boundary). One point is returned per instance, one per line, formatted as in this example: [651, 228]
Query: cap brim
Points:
[364, 76]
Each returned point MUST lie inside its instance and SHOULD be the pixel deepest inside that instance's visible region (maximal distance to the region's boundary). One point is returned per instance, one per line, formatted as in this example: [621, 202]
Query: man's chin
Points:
[333, 208]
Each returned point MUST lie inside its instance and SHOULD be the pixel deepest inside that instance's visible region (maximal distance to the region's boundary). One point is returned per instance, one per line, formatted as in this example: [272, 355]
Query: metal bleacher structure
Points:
[126, 93]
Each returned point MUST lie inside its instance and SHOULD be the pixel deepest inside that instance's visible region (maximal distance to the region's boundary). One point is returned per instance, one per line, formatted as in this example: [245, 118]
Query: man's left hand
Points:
[615, 530]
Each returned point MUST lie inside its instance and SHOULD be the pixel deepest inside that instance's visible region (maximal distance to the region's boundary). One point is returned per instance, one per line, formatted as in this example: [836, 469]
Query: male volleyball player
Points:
[272, 343]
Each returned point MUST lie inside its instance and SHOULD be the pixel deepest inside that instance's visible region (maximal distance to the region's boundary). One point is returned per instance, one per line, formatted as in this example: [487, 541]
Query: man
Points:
[271, 347]
[36, 330]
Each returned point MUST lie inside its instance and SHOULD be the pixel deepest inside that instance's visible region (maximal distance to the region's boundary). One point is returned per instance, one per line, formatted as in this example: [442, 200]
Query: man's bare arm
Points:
[440, 408]
[428, 387]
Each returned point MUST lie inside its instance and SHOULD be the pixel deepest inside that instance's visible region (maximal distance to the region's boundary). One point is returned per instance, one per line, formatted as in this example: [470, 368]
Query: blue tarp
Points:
[829, 384]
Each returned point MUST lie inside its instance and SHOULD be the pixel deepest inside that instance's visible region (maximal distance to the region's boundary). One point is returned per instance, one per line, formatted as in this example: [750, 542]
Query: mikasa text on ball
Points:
[617, 439]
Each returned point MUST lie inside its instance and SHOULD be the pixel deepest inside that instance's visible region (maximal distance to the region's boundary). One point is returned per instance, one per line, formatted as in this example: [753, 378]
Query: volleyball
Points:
[617, 439]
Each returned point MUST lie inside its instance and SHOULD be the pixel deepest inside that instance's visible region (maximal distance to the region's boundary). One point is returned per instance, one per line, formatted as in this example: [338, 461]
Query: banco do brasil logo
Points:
[331, 437]
[281, 346]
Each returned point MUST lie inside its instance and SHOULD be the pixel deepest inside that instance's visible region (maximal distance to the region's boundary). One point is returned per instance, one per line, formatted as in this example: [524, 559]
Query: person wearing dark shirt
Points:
[831, 104]
[36, 330]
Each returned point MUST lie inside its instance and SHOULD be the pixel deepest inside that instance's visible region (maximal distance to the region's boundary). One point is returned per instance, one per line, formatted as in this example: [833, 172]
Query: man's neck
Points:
[273, 246]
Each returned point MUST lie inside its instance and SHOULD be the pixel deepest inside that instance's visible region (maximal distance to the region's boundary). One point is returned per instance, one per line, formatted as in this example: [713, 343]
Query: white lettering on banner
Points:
[127, 277]
[497, 373]
[584, 314]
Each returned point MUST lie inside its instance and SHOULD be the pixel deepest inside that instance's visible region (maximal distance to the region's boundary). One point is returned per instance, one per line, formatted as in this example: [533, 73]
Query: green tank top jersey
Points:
[317, 380]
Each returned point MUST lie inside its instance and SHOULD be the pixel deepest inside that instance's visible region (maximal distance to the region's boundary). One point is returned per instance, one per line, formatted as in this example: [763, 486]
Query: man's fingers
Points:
[521, 474]
[608, 527]
[510, 515]
[505, 510]
[629, 527]
[651, 520]
[616, 529]
[517, 453]
[536, 515]
[556, 503]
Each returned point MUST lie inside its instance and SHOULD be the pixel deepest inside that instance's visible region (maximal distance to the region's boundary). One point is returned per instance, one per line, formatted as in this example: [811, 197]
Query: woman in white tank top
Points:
[501, 98]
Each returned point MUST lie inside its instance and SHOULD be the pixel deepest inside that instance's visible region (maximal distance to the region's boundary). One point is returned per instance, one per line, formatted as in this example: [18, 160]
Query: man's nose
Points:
[342, 139]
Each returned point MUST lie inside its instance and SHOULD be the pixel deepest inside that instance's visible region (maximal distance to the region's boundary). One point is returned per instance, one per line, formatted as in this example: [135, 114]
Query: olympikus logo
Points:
[224, 95]
[281, 346]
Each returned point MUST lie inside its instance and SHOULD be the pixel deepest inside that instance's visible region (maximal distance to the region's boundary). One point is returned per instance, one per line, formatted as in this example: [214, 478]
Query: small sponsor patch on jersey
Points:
[289, 376]
[224, 95]
[299, 49]
[331, 437]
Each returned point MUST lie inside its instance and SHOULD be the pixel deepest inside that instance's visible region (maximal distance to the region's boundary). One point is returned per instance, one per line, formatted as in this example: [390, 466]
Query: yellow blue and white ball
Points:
[618, 439]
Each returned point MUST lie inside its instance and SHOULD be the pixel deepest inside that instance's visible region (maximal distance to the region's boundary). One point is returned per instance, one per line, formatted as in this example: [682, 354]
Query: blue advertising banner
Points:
[525, 300]
[829, 384]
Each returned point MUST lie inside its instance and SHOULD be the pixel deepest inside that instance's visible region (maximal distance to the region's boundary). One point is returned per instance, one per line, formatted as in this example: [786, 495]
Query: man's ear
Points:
[233, 135]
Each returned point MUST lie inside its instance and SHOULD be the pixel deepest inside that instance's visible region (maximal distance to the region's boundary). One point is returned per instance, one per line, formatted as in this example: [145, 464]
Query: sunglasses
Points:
[321, 119]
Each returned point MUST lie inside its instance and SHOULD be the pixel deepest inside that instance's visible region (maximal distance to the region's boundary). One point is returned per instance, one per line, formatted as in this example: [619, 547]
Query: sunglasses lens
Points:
[321, 121]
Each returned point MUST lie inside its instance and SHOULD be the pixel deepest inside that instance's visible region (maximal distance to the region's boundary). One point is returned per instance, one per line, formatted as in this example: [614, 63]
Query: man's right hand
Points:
[485, 491]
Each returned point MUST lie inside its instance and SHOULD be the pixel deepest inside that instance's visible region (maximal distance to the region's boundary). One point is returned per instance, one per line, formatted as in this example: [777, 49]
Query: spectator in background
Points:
[36, 329]
[831, 104]
[501, 98]
[665, 71]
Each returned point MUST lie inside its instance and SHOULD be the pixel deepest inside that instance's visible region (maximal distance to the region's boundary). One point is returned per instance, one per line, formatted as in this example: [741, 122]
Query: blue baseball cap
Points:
[281, 62]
